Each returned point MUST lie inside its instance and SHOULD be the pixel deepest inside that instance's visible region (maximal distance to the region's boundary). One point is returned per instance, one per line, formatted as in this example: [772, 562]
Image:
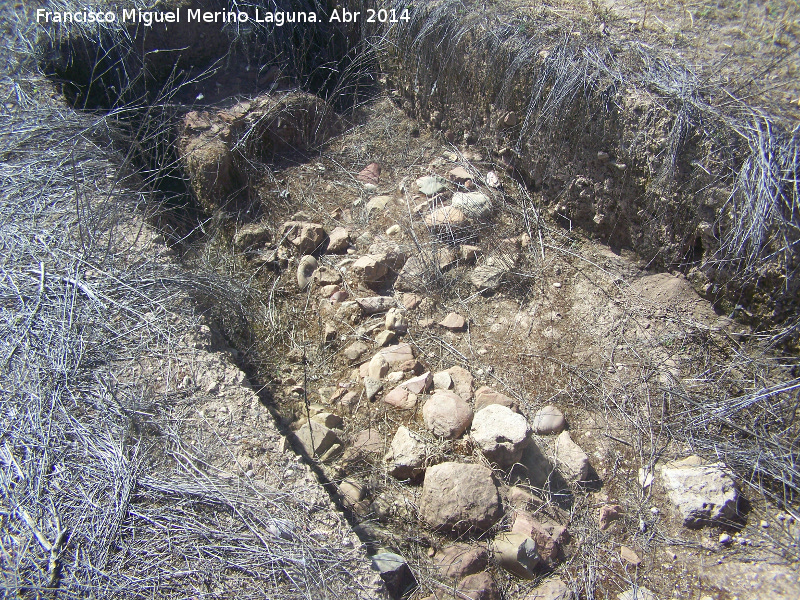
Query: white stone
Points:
[431, 185]
[702, 492]
[500, 433]
[442, 380]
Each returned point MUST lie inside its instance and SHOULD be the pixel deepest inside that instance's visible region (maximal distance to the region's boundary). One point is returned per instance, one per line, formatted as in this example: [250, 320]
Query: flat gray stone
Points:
[473, 204]
[431, 185]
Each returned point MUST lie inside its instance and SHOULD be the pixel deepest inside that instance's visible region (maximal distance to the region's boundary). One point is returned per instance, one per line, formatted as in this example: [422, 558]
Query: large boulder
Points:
[447, 415]
[702, 492]
[460, 497]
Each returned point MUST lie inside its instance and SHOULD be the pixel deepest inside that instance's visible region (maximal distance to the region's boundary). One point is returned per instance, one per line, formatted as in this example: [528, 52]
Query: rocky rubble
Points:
[483, 472]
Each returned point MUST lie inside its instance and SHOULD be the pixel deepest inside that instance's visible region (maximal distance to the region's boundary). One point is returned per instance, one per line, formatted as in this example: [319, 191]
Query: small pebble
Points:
[557, 285]
[764, 524]
[654, 511]
[725, 539]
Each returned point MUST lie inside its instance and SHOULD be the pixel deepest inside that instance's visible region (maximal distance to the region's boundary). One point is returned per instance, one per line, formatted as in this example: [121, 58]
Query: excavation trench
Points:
[266, 130]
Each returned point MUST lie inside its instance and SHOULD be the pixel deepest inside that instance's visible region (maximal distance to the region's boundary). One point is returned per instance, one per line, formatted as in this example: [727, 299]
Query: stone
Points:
[377, 204]
[521, 498]
[420, 384]
[252, 236]
[339, 240]
[327, 291]
[447, 415]
[468, 254]
[305, 269]
[368, 440]
[431, 185]
[548, 420]
[570, 460]
[411, 301]
[339, 296]
[460, 497]
[459, 175]
[446, 258]
[393, 230]
[479, 586]
[702, 492]
[486, 396]
[306, 237]
[395, 573]
[401, 398]
[637, 593]
[629, 556]
[375, 304]
[355, 351]
[329, 333]
[474, 205]
[330, 420]
[370, 174]
[371, 269]
[407, 455]
[500, 434]
[442, 380]
[372, 387]
[414, 275]
[517, 554]
[492, 180]
[411, 366]
[351, 492]
[550, 538]
[396, 320]
[462, 382]
[398, 354]
[315, 438]
[385, 337]
[378, 367]
[453, 322]
[446, 217]
[607, 514]
[459, 560]
[550, 589]
[488, 277]
[327, 276]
